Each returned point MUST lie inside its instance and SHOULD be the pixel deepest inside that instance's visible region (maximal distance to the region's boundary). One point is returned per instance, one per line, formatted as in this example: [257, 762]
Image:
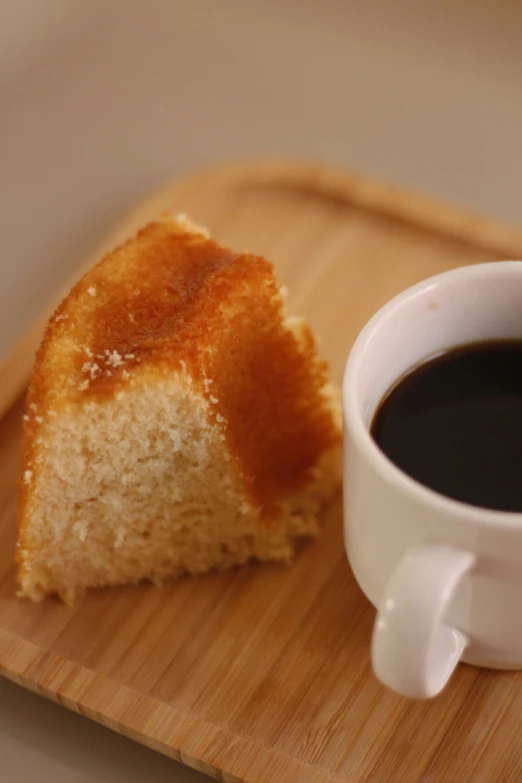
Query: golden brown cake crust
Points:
[170, 299]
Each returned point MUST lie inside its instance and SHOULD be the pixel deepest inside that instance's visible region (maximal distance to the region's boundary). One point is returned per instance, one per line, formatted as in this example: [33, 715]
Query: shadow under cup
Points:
[392, 521]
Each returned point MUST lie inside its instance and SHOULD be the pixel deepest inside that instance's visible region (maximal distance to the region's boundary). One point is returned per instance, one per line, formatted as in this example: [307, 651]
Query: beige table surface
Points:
[103, 100]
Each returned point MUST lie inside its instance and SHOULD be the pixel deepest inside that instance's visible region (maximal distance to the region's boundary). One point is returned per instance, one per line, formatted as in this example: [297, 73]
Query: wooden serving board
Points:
[263, 673]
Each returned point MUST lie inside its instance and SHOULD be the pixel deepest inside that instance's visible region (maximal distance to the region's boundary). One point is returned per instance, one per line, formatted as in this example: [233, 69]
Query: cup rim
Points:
[360, 434]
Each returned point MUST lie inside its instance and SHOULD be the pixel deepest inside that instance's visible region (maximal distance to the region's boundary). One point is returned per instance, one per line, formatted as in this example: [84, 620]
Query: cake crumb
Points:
[80, 528]
[32, 406]
[187, 225]
[213, 400]
[219, 418]
[131, 317]
[92, 368]
[114, 359]
[91, 291]
[28, 475]
[26, 417]
[83, 385]
[207, 382]
[38, 419]
[129, 356]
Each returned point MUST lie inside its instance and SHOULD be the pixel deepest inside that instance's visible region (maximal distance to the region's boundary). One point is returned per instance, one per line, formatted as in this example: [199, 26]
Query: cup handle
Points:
[413, 650]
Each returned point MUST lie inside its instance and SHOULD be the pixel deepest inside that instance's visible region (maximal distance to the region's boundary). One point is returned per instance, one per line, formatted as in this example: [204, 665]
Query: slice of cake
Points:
[176, 421]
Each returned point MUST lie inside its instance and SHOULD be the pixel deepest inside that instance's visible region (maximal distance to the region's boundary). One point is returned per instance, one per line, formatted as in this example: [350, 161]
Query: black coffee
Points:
[454, 423]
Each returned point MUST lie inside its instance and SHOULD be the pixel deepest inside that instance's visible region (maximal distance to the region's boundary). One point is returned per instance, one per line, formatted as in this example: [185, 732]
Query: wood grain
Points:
[263, 674]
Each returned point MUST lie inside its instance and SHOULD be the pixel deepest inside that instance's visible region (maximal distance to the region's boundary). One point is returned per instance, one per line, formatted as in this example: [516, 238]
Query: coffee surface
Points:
[454, 423]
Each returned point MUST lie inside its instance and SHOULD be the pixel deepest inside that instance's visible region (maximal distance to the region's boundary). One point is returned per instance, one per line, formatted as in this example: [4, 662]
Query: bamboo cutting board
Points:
[262, 674]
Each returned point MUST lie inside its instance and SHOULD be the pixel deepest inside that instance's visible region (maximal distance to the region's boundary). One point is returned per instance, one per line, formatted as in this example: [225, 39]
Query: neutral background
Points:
[103, 100]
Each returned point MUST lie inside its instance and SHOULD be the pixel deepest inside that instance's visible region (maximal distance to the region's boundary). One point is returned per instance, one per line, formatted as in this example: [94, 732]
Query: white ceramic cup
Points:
[446, 577]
